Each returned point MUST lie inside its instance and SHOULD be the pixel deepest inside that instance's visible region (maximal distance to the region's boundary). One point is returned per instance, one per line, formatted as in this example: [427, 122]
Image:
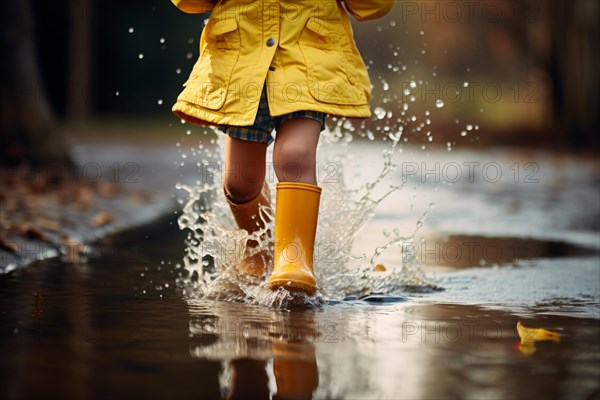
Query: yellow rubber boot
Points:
[247, 216]
[296, 216]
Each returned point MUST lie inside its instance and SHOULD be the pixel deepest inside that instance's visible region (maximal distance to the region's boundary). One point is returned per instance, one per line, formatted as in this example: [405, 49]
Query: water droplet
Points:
[379, 112]
[466, 84]
[117, 93]
[160, 101]
[439, 103]
[162, 40]
[469, 127]
[178, 71]
[421, 33]
[140, 56]
[131, 30]
[189, 132]
[463, 133]
[189, 55]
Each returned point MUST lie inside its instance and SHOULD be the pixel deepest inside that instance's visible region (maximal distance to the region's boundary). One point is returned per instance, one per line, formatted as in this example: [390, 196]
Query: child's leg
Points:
[295, 152]
[244, 170]
[244, 175]
[296, 214]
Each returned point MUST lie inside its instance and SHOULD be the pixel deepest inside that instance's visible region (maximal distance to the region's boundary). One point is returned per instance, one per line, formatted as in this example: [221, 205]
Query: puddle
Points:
[121, 326]
[118, 327]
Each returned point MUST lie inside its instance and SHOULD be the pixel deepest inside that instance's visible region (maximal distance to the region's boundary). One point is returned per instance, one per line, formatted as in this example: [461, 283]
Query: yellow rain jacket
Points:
[303, 50]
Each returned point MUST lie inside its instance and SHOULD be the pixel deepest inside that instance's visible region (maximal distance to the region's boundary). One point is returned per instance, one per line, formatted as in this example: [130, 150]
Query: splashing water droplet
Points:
[469, 127]
[463, 133]
[131, 30]
[117, 93]
[160, 101]
[162, 40]
[439, 103]
[379, 112]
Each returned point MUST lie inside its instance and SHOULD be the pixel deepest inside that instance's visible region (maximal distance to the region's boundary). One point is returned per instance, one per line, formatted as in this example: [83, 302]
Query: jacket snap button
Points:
[270, 42]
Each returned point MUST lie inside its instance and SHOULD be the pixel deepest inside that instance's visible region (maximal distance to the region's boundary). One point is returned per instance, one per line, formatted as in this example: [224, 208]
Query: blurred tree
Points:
[79, 88]
[28, 130]
[573, 68]
[569, 53]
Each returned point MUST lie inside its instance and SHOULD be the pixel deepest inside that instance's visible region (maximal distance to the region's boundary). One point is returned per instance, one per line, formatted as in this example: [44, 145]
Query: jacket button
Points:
[270, 42]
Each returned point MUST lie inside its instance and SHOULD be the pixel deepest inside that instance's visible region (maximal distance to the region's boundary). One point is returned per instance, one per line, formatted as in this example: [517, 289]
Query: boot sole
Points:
[292, 285]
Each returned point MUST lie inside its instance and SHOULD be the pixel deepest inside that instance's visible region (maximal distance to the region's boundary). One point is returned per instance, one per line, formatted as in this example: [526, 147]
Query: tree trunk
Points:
[28, 130]
[78, 81]
[573, 69]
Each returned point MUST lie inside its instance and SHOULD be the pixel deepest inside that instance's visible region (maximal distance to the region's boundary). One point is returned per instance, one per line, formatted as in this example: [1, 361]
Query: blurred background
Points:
[523, 72]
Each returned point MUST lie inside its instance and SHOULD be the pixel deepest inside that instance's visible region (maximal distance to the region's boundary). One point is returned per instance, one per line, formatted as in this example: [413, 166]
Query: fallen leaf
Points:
[529, 336]
[380, 268]
[107, 189]
[140, 196]
[85, 198]
[102, 218]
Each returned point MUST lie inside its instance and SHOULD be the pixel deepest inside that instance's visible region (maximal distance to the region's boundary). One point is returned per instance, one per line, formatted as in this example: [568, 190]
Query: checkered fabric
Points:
[264, 124]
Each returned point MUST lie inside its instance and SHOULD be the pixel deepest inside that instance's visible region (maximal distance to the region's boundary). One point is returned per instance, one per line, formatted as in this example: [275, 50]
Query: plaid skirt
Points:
[264, 124]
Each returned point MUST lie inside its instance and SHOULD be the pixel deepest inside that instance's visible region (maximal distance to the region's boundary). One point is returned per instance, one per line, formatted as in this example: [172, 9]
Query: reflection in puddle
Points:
[255, 343]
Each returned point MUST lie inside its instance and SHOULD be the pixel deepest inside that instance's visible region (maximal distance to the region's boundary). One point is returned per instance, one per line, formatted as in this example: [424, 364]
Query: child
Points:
[279, 65]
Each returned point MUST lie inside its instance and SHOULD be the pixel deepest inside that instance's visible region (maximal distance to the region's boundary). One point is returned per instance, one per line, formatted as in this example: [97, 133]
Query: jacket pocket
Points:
[330, 75]
[210, 78]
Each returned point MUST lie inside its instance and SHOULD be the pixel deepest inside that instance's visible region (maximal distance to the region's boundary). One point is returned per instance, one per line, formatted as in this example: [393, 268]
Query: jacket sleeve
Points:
[194, 6]
[369, 9]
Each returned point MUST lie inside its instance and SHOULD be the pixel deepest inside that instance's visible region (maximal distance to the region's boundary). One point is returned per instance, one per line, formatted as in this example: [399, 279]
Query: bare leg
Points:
[244, 171]
[295, 152]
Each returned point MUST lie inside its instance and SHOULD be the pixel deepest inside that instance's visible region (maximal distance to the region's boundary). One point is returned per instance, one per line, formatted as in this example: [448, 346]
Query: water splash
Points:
[216, 245]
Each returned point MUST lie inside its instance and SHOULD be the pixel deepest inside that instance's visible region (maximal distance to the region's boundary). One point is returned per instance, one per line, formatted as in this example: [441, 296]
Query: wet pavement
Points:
[119, 326]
